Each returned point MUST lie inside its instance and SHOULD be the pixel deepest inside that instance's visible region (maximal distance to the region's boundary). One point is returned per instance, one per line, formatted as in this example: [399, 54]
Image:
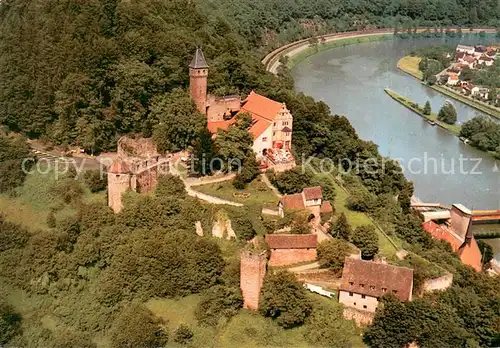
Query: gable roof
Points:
[198, 61]
[326, 207]
[293, 202]
[468, 251]
[464, 47]
[469, 59]
[313, 193]
[460, 54]
[292, 241]
[376, 279]
[119, 167]
[259, 106]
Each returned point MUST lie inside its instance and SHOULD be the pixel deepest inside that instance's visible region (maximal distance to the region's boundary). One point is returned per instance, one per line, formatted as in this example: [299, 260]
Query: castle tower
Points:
[252, 272]
[198, 75]
[119, 181]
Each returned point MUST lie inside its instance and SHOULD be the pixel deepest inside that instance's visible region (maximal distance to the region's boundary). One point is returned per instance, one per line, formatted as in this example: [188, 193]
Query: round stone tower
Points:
[252, 272]
[198, 76]
[119, 181]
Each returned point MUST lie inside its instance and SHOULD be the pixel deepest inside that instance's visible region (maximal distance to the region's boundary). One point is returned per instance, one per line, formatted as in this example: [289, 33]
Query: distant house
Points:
[287, 249]
[452, 79]
[480, 50]
[492, 53]
[459, 55]
[310, 199]
[484, 59]
[470, 61]
[364, 282]
[480, 92]
[466, 49]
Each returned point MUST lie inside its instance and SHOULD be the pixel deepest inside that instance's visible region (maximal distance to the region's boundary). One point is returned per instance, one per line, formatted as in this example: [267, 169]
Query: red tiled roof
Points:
[469, 253]
[376, 279]
[311, 193]
[326, 207]
[469, 59]
[118, 167]
[258, 105]
[292, 241]
[293, 202]
[214, 126]
[460, 55]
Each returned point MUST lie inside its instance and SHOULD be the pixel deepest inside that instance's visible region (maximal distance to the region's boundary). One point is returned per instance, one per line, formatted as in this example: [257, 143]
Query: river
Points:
[351, 80]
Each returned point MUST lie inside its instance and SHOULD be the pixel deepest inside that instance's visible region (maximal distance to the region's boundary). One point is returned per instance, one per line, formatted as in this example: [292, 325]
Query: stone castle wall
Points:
[118, 184]
[283, 257]
[252, 272]
[360, 317]
[147, 180]
[441, 283]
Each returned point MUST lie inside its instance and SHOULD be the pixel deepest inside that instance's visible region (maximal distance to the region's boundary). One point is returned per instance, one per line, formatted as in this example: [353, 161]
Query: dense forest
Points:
[84, 72]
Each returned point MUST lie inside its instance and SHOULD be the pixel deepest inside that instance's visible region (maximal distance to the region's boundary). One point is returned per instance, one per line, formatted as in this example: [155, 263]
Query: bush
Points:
[366, 239]
[360, 200]
[94, 181]
[341, 228]
[292, 181]
[332, 254]
[10, 322]
[183, 334]
[284, 299]
[69, 190]
[137, 327]
[170, 186]
[12, 236]
[218, 303]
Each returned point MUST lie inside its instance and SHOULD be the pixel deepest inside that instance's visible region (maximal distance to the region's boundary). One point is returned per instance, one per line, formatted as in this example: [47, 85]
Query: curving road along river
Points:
[351, 80]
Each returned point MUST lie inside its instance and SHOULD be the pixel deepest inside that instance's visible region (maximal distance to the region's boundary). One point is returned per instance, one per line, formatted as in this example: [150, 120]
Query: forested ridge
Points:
[87, 71]
[84, 72]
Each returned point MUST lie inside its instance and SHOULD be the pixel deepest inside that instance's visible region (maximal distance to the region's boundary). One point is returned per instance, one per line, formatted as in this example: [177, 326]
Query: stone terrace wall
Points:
[283, 257]
[361, 318]
[441, 283]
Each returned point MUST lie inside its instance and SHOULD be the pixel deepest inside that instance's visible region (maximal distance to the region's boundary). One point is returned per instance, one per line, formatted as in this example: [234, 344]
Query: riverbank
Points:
[307, 50]
[410, 64]
[454, 129]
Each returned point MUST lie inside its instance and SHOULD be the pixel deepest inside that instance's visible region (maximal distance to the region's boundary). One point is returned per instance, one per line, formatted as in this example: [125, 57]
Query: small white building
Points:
[466, 49]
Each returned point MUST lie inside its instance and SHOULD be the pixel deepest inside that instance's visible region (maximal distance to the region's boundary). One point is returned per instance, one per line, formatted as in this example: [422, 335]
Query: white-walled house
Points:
[364, 282]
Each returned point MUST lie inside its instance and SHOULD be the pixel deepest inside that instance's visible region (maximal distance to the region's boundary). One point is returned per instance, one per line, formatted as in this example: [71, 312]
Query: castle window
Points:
[362, 285]
[384, 289]
[264, 139]
[351, 283]
[394, 291]
[372, 287]
[274, 133]
[363, 296]
[351, 294]
[364, 306]
[354, 303]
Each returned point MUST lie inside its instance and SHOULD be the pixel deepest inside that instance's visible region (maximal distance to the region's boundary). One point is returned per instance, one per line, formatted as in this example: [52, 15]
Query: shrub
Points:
[360, 200]
[10, 322]
[12, 236]
[69, 190]
[51, 220]
[366, 239]
[137, 327]
[170, 186]
[341, 228]
[94, 181]
[183, 334]
[332, 254]
[284, 299]
[218, 303]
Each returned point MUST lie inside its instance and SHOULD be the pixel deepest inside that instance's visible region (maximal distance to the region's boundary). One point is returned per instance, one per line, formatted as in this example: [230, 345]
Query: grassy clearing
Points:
[454, 129]
[409, 65]
[310, 51]
[33, 201]
[356, 219]
[256, 192]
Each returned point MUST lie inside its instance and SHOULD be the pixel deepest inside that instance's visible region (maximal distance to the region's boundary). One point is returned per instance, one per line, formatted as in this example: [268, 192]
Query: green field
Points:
[409, 65]
[256, 192]
[387, 248]
[310, 51]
